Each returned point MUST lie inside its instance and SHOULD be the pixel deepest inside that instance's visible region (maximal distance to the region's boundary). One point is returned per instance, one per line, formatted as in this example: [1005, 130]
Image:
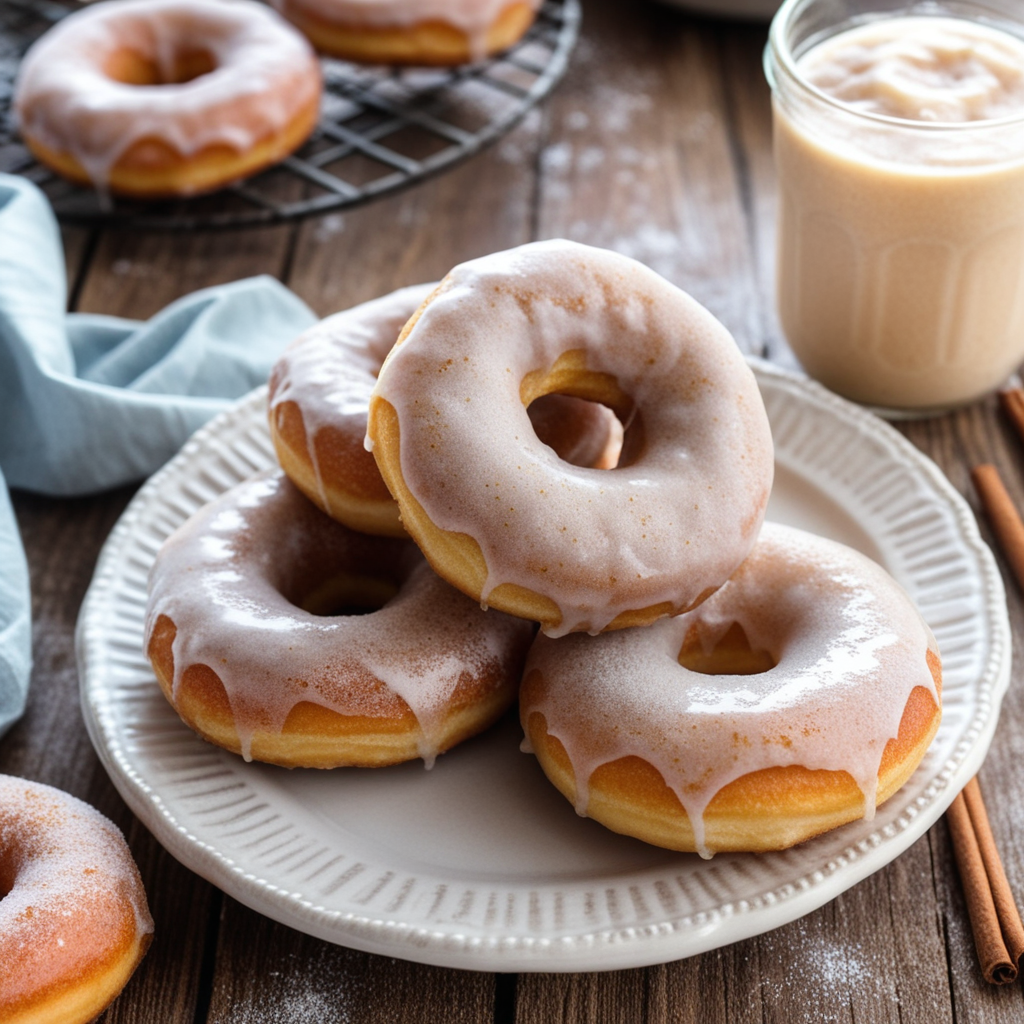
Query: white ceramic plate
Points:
[480, 863]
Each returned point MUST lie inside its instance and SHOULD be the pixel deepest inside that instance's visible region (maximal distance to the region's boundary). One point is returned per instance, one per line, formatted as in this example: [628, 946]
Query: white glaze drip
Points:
[471, 17]
[265, 75]
[227, 579]
[76, 889]
[849, 648]
[674, 523]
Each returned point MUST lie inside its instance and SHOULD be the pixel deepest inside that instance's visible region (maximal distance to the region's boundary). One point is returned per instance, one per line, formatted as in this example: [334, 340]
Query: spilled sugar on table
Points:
[657, 144]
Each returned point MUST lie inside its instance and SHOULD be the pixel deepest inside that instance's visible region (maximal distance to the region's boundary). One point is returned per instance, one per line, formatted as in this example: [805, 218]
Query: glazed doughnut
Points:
[167, 97]
[319, 396]
[498, 514]
[249, 632]
[438, 32]
[824, 696]
[74, 922]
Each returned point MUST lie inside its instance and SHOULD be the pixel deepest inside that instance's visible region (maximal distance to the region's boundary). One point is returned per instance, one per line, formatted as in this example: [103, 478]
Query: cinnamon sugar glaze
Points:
[72, 903]
[683, 507]
[848, 648]
[234, 580]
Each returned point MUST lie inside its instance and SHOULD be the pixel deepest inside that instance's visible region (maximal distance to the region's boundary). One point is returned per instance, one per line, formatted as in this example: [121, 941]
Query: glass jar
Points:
[900, 275]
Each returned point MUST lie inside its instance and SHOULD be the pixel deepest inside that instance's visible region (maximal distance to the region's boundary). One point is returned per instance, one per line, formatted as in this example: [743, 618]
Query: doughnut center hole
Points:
[7, 875]
[731, 656]
[129, 67]
[350, 594]
[581, 432]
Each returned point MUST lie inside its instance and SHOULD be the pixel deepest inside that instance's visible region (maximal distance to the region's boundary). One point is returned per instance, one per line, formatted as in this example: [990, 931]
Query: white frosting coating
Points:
[672, 521]
[265, 74]
[76, 890]
[848, 644]
[330, 371]
[230, 577]
[471, 17]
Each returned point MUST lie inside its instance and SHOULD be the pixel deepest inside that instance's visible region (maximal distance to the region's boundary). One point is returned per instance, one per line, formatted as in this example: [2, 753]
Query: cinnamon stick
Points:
[997, 964]
[1005, 520]
[1006, 906]
[1012, 402]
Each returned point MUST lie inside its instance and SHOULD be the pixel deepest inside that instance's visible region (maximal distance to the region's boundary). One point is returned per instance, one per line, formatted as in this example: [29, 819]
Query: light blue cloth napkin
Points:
[88, 402]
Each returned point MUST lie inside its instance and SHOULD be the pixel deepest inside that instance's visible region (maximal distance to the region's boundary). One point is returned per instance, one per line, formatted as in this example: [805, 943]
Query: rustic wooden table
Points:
[658, 145]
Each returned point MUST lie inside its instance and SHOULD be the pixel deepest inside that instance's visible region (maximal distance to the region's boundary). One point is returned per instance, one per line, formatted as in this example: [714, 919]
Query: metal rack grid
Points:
[380, 129]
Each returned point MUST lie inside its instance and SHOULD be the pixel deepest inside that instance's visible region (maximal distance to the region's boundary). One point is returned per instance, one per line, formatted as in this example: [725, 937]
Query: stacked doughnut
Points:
[698, 682]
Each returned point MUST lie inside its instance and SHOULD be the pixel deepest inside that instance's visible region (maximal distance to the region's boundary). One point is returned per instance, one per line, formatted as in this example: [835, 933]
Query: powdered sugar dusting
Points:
[848, 644]
[76, 900]
[231, 580]
[665, 528]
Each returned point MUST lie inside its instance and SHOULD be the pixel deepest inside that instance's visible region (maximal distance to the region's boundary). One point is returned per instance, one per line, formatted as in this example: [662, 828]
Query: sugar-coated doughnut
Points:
[438, 32]
[320, 393]
[74, 922]
[826, 697]
[167, 97]
[249, 633]
[498, 514]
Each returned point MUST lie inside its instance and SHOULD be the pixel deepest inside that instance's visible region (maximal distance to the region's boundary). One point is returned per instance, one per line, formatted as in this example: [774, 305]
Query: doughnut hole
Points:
[130, 67]
[568, 378]
[323, 587]
[349, 594]
[732, 655]
[580, 432]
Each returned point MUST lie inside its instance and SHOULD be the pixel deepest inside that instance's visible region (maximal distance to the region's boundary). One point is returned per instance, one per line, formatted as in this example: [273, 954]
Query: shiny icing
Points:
[473, 18]
[265, 74]
[848, 645]
[330, 371]
[76, 891]
[668, 526]
[229, 579]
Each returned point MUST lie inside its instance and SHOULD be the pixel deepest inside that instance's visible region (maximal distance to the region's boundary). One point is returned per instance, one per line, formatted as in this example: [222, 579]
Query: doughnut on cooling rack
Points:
[381, 129]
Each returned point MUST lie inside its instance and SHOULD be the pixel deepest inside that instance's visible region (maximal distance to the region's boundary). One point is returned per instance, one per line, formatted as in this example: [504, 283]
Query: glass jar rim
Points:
[777, 54]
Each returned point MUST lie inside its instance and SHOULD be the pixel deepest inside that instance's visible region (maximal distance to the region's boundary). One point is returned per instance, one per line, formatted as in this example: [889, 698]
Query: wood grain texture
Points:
[418, 236]
[658, 144]
[268, 974]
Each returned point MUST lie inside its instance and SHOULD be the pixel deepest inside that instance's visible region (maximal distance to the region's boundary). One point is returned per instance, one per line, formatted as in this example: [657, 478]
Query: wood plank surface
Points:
[658, 145]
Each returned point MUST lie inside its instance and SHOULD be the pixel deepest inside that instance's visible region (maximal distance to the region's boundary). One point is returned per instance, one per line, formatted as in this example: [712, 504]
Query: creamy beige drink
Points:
[900, 152]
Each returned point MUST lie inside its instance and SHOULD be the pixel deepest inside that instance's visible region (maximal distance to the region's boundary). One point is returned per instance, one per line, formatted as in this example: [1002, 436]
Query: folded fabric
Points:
[15, 625]
[88, 402]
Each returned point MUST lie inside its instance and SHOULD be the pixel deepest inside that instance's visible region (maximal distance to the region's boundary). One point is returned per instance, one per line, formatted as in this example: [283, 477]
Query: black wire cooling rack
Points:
[380, 130]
